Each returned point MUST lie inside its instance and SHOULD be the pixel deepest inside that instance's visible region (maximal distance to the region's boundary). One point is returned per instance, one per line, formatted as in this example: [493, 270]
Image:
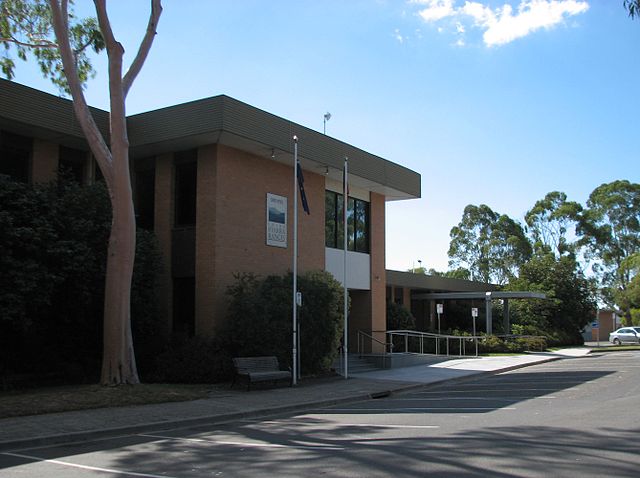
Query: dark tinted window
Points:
[357, 223]
[72, 162]
[15, 156]
[145, 187]
[186, 173]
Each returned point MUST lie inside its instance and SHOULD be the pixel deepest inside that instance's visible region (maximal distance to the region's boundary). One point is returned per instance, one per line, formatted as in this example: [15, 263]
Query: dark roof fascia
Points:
[479, 295]
[219, 119]
[435, 283]
[31, 112]
[225, 120]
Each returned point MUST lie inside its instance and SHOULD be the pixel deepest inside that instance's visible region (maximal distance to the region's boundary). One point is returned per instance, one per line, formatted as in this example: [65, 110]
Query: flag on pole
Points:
[303, 196]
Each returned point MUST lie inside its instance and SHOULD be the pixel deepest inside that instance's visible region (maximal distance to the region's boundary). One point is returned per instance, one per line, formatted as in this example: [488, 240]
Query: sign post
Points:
[474, 314]
[439, 309]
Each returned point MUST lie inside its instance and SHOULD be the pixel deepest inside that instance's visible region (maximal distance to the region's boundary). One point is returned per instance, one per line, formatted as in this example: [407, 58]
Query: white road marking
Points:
[245, 444]
[507, 399]
[492, 390]
[413, 409]
[368, 425]
[84, 467]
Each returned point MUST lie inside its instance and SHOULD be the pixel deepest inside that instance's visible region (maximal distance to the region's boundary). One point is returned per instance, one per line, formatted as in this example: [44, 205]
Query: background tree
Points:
[633, 7]
[610, 229]
[59, 42]
[628, 299]
[550, 221]
[570, 302]
[491, 246]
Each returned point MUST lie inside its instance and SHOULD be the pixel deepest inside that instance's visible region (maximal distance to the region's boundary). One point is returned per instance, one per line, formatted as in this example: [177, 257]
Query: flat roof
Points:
[435, 283]
[479, 295]
[219, 119]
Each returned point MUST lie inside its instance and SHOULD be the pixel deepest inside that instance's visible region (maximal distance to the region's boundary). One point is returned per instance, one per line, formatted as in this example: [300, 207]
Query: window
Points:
[145, 186]
[186, 171]
[15, 156]
[357, 223]
[71, 162]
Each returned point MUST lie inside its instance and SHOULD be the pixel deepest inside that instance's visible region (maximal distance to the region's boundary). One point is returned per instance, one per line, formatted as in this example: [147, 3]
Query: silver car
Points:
[625, 335]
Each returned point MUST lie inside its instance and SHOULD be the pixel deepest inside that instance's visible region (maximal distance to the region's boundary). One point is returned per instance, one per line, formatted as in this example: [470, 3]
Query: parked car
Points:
[625, 335]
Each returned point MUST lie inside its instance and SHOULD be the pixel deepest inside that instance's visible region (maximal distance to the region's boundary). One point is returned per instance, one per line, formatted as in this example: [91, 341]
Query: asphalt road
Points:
[572, 417]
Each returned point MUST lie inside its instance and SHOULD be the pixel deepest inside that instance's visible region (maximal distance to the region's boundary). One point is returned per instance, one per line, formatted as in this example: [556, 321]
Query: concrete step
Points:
[356, 364]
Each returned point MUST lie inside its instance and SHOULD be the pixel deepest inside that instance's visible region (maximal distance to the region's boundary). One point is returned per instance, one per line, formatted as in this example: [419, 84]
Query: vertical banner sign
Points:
[276, 220]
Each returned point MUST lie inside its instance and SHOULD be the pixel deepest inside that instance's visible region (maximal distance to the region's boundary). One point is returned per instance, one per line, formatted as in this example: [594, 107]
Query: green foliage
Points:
[53, 239]
[259, 319]
[491, 246]
[25, 27]
[493, 344]
[633, 7]
[627, 297]
[458, 273]
[610, 229]
[399, 318]
[549, 222]
[570, 303]
[194, 360]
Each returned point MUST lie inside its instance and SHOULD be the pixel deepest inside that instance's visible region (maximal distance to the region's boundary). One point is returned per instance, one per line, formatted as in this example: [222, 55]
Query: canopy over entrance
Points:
[488, 296]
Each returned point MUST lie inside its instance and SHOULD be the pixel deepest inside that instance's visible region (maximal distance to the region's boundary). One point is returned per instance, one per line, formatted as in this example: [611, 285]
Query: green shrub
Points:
[492, 344]
[194, 360]
[259, 319]
[53, 239]
[399, 318]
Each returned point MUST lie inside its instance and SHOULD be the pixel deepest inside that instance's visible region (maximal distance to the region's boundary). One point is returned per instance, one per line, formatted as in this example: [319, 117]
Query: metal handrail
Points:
[447, 338]
[437, 338]
[361, 333]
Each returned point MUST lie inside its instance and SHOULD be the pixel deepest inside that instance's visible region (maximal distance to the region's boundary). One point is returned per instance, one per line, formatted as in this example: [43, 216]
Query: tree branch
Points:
[59, 17]
[43, 44]
[145, 46]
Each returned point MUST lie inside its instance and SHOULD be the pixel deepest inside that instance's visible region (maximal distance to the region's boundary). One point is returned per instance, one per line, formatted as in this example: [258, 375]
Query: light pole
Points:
[327, 117]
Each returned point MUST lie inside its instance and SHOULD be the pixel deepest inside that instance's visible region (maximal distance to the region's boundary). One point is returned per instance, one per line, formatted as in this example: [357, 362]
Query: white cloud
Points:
[435, 9]
[502, 25]
[398, 36]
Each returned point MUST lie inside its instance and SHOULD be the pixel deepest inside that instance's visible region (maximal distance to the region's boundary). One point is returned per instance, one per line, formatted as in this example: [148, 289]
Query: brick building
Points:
[204, 174]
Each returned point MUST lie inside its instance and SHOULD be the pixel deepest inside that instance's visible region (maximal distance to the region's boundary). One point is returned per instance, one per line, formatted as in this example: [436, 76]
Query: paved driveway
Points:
[574, 417]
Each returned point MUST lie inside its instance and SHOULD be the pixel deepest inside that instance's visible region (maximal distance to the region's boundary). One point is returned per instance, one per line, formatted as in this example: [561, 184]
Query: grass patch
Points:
[82, 397]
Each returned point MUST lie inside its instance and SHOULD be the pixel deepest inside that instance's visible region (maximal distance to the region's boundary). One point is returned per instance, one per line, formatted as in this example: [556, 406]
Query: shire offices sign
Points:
[276, 220]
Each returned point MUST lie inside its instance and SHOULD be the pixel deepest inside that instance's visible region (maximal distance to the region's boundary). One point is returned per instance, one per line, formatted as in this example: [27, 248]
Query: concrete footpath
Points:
[224, 404]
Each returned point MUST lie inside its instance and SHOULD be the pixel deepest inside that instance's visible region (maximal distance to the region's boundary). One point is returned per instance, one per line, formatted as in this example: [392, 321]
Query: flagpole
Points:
[295, 261]
[345, 205]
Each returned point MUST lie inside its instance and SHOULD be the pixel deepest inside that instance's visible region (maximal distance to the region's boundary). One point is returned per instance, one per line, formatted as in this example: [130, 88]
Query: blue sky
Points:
[493, 103]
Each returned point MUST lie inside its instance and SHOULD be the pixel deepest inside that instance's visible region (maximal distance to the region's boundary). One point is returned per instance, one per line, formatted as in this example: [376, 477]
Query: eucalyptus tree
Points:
[490, 245]
[628, 299]
[552, 222]
[633, 7]
[60, 43]
[610, 230]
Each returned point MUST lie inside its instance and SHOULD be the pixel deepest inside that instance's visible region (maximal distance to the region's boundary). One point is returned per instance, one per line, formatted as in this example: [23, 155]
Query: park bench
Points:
[259, 369]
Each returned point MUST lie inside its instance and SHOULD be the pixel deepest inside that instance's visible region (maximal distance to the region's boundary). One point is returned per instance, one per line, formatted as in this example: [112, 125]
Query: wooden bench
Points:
[260, 369]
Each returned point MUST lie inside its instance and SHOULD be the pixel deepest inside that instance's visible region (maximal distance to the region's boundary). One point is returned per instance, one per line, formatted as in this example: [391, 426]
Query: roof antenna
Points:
[327, 117]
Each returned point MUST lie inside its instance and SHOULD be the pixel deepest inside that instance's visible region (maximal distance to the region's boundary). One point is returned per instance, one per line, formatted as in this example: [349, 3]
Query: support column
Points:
[206, 318]
[163, 224]
[489, 310]
[506, 319]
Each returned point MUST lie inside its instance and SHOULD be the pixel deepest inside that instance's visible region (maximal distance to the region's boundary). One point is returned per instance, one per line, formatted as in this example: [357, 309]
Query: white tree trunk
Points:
[118, 364]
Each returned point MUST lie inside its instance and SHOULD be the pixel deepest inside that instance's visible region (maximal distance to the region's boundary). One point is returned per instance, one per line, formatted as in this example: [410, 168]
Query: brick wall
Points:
[242, 183]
